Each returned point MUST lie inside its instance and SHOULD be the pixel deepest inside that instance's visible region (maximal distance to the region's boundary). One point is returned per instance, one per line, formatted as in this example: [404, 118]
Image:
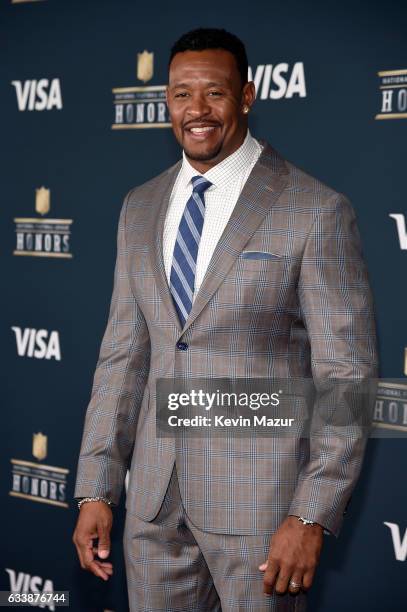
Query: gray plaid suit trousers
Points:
[173, 566]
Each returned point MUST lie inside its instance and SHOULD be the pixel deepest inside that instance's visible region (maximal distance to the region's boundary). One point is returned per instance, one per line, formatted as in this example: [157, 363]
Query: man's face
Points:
[206, 99]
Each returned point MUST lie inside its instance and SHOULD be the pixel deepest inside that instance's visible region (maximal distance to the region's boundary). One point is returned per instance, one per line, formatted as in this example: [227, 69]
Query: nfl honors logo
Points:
[37, 481]
[141, 106]
[43, 237]
[393, 89]
[390, 410]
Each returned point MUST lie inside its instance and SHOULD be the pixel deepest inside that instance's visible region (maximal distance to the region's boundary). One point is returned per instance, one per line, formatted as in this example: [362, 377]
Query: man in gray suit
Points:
[232, 263]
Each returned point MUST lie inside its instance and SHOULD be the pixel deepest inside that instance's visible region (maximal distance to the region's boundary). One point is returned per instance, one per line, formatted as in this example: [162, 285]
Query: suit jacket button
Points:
[182, 346]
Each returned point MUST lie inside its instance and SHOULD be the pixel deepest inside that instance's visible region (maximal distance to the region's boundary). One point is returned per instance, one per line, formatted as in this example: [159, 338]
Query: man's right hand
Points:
[95, 521]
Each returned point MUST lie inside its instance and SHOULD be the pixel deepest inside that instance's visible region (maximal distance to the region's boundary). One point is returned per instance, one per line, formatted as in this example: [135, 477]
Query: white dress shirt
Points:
[227, 178]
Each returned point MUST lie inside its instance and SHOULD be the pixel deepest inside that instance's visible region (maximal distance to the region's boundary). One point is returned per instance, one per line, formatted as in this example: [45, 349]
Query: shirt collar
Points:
[227, 171]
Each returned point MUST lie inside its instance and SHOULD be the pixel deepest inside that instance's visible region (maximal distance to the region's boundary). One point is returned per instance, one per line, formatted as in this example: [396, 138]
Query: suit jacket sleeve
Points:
[118, 387]
[337, 311]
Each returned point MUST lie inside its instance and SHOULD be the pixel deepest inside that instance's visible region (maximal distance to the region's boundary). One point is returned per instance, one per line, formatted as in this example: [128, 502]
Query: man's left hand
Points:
[294, 554]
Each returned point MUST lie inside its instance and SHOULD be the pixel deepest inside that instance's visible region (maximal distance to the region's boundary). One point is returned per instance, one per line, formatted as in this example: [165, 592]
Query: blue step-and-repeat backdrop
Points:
[80, 128]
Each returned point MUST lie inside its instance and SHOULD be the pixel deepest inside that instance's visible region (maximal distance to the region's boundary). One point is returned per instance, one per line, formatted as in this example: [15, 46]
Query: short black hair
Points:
[213, 38]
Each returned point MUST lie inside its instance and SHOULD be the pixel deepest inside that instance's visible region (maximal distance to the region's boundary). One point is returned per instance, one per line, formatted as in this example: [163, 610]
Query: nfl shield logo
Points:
[145, 66]
[42, 200]
[39, 446]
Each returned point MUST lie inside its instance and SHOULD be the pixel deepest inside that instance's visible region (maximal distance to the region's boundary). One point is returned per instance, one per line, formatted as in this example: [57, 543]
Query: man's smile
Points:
[200, 132]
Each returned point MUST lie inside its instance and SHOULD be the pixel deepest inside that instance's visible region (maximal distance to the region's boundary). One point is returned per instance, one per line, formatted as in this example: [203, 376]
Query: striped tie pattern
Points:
[182, 278]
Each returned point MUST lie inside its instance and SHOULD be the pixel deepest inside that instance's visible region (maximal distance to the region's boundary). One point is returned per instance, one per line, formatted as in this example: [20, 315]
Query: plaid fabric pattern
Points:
[172, 565]
[305, 312]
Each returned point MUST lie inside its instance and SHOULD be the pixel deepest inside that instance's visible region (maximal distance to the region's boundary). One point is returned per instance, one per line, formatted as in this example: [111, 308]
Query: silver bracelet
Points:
[95, 499]
[305, 521]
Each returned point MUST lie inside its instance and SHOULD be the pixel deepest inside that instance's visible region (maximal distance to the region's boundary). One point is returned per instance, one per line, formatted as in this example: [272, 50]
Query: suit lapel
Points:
[159, 209]
[263, 187]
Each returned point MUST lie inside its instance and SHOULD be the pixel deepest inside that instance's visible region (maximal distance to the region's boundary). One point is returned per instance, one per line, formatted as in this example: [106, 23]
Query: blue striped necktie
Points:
[182, 279]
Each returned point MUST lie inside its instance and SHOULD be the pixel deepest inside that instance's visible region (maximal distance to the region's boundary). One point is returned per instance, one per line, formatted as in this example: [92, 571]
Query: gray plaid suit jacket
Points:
[305, 312]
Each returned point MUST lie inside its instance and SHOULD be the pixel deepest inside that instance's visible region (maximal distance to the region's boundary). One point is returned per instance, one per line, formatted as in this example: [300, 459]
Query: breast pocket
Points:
[259, 255]
[259, 267]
